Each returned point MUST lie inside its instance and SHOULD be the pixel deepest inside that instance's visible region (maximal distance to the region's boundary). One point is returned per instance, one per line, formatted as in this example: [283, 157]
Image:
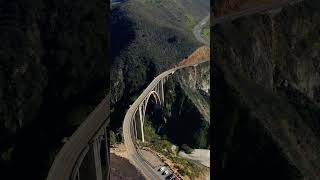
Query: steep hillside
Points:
[52, 62]
[198, 55]
[195, 82]
[147, 38]
[224, 7]
[266, 102]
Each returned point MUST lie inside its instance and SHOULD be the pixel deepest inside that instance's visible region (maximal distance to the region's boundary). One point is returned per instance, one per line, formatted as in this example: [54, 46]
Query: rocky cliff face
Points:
[267, 79]
[221, 6]
[53, 55]
[271, 48]
[41, 55]
[187, 107]
[196, 83]
[148, 37]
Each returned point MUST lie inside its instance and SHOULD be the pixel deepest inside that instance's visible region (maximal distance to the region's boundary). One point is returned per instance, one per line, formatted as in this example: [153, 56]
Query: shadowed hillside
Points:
[266, 106]
[147, 38]
[53, 72]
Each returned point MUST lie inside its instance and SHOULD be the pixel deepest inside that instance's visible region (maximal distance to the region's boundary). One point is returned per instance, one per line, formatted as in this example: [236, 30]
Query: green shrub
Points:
[186, 148]
[113, 139]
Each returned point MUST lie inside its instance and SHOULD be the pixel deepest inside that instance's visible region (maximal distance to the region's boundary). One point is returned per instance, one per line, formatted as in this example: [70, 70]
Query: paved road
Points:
[65, 160]
[198, 28]
[129, 138]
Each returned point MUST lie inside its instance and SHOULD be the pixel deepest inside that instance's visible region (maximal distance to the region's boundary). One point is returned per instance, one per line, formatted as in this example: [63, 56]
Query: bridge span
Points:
[80, 158]
[134, 118]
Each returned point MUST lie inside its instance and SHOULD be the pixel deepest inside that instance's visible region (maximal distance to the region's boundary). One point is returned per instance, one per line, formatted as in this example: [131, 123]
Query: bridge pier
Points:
[162, 92]
[76, 170]
[107, 151]
[140, 122]
[90, 168]
[158, 94]
[89, 164]
[87, 150]
[135, 126]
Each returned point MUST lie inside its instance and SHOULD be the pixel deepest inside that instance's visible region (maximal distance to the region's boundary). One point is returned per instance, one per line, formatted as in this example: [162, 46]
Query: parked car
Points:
[170, 176]
[162, 168]
[165, 172]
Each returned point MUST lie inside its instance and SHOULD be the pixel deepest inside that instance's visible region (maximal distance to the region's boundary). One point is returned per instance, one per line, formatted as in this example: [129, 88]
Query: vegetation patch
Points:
[148, 37]
[163, 146]
[205, 33]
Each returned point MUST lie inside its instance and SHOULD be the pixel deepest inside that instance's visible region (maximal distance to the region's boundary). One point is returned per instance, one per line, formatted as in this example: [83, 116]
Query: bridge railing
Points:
[65, 161]
[130, 116]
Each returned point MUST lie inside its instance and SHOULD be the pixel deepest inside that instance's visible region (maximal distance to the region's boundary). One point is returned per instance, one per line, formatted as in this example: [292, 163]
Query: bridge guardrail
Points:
[66, 159]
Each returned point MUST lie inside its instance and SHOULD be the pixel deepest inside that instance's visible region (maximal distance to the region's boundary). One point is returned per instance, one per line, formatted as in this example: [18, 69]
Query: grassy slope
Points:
[157, 36]
[162, 145]
[206, 32]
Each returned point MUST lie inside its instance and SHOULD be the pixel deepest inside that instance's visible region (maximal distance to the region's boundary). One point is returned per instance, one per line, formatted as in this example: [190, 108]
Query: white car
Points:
[162, 168]
[165, 172]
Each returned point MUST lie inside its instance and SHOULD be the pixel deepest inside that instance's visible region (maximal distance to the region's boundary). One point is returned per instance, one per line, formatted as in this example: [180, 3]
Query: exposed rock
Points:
[196, 83]
[266, 110]
[53, 56]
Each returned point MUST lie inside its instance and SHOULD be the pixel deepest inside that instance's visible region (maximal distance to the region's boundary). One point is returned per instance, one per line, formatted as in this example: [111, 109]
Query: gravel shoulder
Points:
[120, 166]
[200, 155]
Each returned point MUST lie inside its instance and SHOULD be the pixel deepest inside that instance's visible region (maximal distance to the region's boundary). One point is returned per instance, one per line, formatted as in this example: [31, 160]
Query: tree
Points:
[113, 139]
[186, 148]
[200, 136]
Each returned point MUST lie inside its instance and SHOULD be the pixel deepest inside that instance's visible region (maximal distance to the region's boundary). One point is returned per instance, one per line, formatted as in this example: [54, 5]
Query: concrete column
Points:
[195, 72]
[106, 136]
[76, 175]
[162, 92]
[141, 122]
[135, 125]
[90, 168]
[76, 170]
[141, 109]
[97, 158]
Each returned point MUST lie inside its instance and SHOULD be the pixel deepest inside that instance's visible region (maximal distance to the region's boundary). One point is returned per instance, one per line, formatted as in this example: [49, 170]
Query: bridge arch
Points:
[156, 97]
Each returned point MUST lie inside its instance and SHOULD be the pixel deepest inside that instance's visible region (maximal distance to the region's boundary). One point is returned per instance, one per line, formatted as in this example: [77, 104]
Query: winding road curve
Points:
[69, 155]
[128, 125]
[198, 28]
[129, 138]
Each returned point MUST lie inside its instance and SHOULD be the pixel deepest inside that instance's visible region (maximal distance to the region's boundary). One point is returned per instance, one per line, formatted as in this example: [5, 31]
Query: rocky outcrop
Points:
[195, 81]
[187, 107]
[43, 57]
[220, 6]
[148, 37]
[266, 96]
[53, 58]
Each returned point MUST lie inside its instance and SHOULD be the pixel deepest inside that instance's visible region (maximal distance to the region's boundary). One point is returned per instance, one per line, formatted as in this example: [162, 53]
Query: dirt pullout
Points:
[200, 155]
[121, 168]
[119, 150]
[167, 162]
